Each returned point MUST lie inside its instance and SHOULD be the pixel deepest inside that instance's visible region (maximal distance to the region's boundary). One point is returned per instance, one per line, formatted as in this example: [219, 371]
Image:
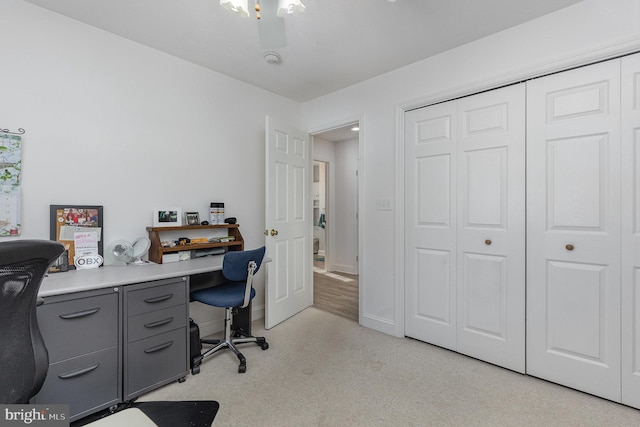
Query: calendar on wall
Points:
[10, 175]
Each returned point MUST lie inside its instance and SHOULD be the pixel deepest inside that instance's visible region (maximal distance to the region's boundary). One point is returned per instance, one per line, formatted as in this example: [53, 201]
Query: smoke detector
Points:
[272, 57]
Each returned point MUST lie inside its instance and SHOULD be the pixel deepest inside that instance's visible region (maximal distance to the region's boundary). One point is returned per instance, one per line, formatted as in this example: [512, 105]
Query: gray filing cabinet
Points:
[111, 345]
[82, 334]
[155, 334]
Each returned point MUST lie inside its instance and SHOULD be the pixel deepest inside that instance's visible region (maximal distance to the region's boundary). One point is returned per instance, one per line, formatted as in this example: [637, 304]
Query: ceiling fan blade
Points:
[271, 27]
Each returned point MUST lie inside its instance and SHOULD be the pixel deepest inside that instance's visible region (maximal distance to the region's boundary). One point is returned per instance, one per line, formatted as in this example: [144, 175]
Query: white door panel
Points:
[288, 222]
[430, 225]
[483, 309]
[631, 230]
[490, 240]
[573, 229]
[486, 188]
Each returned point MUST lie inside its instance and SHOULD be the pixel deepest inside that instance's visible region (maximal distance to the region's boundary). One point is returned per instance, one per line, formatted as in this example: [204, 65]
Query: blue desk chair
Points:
[238, 268]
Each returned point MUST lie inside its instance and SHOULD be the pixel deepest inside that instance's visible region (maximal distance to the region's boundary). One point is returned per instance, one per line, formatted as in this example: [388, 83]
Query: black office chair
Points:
[238, 268]
[24, 360]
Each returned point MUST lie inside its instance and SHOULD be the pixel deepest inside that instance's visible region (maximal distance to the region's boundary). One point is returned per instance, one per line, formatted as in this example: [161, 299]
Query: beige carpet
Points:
[322, 369]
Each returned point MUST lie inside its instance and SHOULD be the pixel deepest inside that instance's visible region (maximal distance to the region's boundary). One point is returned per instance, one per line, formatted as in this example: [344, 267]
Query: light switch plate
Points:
[383, 205]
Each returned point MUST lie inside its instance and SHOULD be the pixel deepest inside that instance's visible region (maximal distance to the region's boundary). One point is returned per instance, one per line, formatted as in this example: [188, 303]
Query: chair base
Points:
[229, 341]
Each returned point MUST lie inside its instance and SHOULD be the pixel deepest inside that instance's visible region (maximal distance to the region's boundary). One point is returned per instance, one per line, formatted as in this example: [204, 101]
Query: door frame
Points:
[519, 75]
[360, 232]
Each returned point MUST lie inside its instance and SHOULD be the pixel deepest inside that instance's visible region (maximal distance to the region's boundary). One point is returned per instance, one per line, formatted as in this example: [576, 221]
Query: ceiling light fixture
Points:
[355, 128]
[289, 7]
[241, 7]
[237, 6]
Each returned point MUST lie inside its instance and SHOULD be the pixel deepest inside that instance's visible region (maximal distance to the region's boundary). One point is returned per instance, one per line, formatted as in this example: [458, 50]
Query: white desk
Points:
[109, 276]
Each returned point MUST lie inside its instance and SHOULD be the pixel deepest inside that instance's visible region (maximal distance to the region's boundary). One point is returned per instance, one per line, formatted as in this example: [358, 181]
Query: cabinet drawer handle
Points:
[158, 323]
[82, 313]
[159, 347]
[569, 247]
[78, 372]
[159, 299]
[487, 242]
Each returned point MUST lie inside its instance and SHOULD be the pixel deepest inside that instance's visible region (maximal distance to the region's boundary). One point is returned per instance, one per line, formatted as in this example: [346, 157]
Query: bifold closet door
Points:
[430, 224]
[491, 227]
[631, 230]
[573, 228]
[464, 226]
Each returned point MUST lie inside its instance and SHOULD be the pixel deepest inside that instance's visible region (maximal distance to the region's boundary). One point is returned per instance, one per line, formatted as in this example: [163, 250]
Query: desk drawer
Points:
[156, 297]
[156, 322]
[77, 326]
[155, 361]
[88, 383]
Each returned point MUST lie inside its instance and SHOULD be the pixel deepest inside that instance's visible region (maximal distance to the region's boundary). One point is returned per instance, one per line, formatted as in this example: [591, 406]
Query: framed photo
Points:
[65, 221]
[191, 218]
[167, 217]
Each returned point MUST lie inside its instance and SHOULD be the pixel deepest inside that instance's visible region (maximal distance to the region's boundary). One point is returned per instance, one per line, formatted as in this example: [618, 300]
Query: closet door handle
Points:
[487, 242]
[569, 247]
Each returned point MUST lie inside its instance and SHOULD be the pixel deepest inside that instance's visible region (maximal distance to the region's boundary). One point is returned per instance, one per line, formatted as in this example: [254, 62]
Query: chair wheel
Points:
[195, 370]
[181, 380]
[242, 368]
[265, 345]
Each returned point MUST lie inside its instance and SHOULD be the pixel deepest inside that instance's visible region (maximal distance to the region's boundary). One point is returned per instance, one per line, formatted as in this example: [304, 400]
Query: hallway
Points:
[335, 292]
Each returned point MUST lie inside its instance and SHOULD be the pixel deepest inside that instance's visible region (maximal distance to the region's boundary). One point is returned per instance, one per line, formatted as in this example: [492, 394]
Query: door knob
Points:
[487, 242]
[569, 247]
[273, 232]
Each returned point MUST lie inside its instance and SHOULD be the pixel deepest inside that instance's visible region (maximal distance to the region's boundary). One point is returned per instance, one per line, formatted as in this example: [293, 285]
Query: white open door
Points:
[288, 222]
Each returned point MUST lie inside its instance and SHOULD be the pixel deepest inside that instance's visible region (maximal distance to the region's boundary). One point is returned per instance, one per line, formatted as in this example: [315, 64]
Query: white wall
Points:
[345, 245]
[319, 204]
[110, 122]
[325, 151]
[592, 29]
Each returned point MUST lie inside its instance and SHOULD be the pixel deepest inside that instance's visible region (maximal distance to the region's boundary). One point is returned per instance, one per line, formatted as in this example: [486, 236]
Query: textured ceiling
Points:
[331, 45]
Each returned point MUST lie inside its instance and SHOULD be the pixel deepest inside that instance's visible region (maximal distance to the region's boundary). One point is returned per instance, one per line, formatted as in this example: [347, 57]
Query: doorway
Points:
[335, 220]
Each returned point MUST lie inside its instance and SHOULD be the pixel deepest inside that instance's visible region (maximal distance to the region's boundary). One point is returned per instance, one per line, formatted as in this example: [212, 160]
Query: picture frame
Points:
[191, 218]
[65, 220]
[167, 217]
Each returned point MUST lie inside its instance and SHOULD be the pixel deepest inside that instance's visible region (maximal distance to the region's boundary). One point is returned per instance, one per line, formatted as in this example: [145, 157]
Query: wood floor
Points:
[335, 292]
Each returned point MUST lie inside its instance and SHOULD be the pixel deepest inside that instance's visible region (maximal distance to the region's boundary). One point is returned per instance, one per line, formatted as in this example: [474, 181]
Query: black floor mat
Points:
[197, 413]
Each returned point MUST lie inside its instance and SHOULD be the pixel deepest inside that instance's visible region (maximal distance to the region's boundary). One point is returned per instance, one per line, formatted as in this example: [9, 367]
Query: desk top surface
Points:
[104, 277]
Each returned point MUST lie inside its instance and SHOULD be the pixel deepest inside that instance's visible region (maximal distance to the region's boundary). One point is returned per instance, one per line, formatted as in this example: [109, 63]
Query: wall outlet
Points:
[384, 205]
